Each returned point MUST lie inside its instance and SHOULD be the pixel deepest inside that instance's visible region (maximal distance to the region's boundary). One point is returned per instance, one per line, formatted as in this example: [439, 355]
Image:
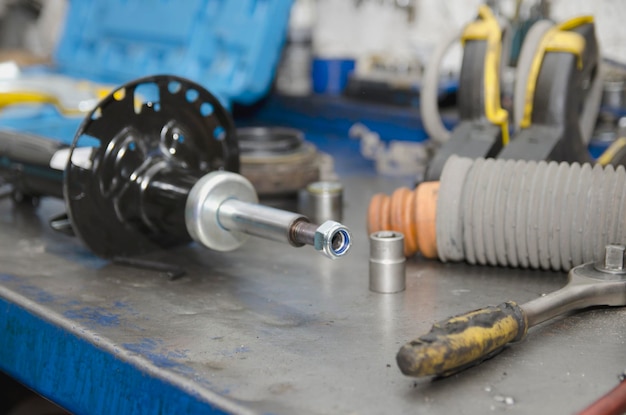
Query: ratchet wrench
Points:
[466, 340]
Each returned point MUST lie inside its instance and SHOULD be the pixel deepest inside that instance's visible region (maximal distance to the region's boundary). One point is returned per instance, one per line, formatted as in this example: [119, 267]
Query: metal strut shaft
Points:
[222, 210]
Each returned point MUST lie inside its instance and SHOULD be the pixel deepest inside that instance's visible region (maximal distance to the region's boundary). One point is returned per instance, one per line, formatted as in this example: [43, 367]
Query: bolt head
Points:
[614, 257]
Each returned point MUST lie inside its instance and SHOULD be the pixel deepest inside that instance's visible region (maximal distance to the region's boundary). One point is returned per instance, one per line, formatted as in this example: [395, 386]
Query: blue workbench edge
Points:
[82, 377]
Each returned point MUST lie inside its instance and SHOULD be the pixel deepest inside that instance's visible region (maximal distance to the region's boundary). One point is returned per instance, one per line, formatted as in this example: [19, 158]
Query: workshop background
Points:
[441, 156]
[372, 27]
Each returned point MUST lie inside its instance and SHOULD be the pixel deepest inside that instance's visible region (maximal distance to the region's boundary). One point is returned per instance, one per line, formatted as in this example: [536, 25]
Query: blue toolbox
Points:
[231, 48]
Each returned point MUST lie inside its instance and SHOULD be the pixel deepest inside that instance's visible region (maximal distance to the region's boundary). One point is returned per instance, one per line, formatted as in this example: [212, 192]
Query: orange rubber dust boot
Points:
[412, 213]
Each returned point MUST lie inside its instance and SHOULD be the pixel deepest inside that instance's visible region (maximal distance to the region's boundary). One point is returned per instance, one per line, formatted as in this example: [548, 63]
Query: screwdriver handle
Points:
[462, 341]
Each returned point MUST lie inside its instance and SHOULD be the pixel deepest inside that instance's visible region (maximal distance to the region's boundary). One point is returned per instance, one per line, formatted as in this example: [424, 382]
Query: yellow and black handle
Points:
[463, 341]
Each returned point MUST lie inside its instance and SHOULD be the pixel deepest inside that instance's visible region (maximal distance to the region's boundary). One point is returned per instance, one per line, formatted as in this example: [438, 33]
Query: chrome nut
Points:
[332, 239]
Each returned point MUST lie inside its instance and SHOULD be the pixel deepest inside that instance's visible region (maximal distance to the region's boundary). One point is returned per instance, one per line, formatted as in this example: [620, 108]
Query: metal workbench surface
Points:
[274, 329]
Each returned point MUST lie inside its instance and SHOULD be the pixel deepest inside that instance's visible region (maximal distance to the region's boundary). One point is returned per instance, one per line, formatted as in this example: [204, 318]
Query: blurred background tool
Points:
[509, 213]
[557, 92]
[615, 155]
[468, 339]
[71, 97]
[552, 95]
[615, 151]
[279, 162]
[483, 126]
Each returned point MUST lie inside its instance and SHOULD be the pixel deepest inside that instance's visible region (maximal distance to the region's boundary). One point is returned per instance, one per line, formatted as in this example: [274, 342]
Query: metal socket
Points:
[387, 262]
[322, 201]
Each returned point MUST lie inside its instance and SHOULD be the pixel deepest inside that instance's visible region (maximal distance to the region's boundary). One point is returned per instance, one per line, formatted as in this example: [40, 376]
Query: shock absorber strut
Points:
[154, 165]
[510, 213]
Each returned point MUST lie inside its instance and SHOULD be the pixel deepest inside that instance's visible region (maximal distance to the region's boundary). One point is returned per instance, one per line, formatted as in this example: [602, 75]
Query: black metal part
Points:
[25, 165]
[172, 272]
[554, 133]
[475, 136]
[151, 140]
[61, 223]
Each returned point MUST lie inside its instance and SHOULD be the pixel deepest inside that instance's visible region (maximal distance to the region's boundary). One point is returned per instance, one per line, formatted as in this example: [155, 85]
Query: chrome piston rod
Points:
[266, 222]
[222, 210]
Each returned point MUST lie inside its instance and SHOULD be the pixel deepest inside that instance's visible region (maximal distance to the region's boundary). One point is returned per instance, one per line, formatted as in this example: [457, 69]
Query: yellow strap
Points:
[608, 155]
[557, 39]
[488, 29]
[35, 97]
[26, 97]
